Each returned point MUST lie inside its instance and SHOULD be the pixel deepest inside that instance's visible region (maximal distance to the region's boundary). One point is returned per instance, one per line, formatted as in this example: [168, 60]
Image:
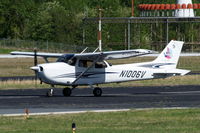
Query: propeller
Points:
[35, 64]
[35, 57]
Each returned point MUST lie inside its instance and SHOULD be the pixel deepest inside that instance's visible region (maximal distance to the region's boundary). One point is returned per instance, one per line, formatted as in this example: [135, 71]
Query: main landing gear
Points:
[67, 92]
[97, 92]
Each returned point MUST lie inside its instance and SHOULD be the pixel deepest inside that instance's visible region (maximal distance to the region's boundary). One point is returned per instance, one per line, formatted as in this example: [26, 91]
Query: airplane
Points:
[91, 69]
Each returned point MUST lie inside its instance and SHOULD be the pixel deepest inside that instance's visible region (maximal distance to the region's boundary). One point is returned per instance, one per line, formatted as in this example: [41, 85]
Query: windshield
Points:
[67, 58]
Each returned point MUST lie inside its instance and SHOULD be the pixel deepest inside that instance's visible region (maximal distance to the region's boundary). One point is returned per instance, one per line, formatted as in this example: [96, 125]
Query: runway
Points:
[15, 101]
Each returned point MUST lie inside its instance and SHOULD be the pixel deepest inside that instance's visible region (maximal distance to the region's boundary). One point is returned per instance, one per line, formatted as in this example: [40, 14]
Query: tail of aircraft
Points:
[170, 55]
[168, 60]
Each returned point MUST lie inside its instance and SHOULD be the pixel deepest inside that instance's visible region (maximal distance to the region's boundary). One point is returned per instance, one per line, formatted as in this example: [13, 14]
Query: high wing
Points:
[42, 54]
[114, 54]
[92, 56]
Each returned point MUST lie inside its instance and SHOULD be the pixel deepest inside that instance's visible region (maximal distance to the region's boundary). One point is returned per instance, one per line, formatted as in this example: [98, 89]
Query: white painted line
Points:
[67, 112]
[11, 97]
[165, 108]
[180, 92]
[94, 111]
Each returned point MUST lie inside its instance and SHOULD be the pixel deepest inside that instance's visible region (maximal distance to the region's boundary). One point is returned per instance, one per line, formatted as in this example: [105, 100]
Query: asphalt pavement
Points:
[15, 101]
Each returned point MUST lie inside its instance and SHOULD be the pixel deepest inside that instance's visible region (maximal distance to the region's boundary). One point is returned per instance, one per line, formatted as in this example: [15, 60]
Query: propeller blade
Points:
[35, 68]
[35, 57]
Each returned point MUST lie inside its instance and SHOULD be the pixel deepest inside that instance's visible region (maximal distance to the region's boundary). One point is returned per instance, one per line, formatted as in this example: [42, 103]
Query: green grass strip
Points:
[134, 121]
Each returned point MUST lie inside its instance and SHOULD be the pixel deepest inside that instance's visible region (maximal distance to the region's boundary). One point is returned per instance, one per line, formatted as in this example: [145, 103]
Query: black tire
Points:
[97, 92]
[67, 92]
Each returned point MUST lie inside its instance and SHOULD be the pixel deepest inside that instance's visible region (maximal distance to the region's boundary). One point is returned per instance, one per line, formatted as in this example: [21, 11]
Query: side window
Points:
[100, 65]
[85, 63]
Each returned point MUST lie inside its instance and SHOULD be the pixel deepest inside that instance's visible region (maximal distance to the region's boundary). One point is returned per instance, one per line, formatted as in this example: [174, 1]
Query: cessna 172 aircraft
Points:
[92, 69]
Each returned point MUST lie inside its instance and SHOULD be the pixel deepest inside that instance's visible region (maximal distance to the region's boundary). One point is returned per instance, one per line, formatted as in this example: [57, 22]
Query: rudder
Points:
[171, 53]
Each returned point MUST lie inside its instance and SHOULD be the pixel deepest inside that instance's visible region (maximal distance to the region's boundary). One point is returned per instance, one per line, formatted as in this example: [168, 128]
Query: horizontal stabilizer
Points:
[169, 73]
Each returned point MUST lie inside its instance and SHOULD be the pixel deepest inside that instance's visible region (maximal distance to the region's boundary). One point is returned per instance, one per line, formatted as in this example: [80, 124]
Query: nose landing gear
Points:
[50, 93]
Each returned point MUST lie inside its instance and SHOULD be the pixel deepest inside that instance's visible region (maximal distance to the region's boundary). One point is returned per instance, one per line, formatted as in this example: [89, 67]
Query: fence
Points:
[70, 48]
[42, 46]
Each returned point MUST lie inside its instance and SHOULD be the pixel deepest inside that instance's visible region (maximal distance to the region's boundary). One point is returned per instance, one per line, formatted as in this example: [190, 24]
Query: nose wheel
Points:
[50, 93]
[67, 92]
[97, 92]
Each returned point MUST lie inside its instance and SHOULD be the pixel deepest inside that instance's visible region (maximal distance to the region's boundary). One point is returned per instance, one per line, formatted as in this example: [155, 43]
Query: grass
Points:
[26, 84]
[134, 121]
[6, 50]
[16, 67]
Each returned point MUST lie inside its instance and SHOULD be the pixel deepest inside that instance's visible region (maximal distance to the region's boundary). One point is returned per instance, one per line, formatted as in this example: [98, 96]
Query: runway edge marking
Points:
[67, 112]
[92, 111]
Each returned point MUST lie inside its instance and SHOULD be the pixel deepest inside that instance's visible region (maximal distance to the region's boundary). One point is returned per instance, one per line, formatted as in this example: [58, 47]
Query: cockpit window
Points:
[67, 58]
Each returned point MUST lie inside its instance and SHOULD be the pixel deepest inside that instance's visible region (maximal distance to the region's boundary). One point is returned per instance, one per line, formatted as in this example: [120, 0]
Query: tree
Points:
[12, 17]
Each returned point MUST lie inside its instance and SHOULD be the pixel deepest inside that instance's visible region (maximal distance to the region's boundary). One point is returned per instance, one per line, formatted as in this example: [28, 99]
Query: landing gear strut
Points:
[50, 93]
[67, 91]
[97, 92]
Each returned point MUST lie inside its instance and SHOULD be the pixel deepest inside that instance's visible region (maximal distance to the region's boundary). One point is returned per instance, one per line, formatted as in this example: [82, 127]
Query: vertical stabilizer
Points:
[170, 55]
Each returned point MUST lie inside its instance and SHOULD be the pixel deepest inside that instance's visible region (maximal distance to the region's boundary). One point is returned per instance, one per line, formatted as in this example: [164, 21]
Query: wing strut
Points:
[79, 76]
[84, 50]
[45, 58]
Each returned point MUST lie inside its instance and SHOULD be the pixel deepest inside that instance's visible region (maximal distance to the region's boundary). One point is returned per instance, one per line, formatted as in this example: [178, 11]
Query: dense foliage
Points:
[61, 21]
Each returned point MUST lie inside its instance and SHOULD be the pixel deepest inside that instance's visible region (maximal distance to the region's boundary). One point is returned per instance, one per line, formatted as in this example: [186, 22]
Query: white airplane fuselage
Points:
[61, 73]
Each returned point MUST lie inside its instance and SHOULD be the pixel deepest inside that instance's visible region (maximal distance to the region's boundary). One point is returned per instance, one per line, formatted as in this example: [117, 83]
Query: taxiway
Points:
[15, 101]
